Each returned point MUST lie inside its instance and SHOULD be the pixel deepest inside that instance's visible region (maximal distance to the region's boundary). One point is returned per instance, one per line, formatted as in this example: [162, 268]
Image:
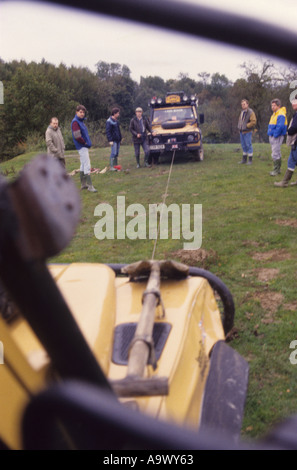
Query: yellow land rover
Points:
[175, 125]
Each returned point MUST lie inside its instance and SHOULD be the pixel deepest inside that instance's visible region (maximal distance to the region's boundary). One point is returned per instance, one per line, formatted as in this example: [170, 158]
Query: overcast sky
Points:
[33, 31]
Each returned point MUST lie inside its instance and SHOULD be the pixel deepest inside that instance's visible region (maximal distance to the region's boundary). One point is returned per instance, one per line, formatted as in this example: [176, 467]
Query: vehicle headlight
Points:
[156, 140]
[190, 138]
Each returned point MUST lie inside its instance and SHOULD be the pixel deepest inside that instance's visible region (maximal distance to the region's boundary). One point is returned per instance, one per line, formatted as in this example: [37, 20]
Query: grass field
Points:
[248, 240]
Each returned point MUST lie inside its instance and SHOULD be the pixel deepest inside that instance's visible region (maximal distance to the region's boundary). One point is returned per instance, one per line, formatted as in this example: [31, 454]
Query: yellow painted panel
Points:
[192, 311]
[13, 400]
[89, 291]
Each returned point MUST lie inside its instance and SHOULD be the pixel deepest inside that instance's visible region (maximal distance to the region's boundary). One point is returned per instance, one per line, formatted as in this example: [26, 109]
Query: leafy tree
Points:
[148, 88]
[35, 92]
[106, 71]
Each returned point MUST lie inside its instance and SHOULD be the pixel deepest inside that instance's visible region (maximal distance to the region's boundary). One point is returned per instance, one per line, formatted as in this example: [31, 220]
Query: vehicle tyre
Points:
[155, 158]
[198, 155]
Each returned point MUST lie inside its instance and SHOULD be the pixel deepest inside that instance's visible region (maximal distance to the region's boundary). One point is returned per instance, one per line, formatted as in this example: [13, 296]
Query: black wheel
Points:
[198, 154]
[155, 158]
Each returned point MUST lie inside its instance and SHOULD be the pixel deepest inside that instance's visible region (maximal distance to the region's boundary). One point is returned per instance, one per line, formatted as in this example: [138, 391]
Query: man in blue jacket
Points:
[292, 142]
[82, 143]
[114, 136]
[277, 130]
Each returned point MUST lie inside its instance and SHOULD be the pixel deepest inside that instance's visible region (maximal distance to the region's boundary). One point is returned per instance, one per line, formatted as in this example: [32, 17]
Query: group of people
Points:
[139, 128]
[56, 147]
[277, 130]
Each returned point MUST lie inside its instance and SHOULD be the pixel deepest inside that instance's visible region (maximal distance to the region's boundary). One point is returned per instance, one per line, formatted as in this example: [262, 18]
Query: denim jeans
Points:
[246, 143]
[115, 148]
[146, 149]
[292, 161]
[85, 164]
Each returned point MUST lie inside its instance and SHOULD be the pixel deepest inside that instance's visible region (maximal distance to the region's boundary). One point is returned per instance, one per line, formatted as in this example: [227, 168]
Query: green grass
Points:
[241, 208]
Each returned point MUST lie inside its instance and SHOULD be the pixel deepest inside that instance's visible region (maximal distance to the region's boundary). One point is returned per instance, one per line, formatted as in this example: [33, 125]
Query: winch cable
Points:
[163, 203]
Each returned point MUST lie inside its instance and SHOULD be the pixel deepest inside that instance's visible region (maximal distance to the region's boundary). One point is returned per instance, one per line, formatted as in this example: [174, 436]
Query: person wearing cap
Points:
[292, 142]
[139, 127]
[277, 129]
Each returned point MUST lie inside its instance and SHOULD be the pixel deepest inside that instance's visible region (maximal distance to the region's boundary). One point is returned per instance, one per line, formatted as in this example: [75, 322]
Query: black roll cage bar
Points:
[200, 21]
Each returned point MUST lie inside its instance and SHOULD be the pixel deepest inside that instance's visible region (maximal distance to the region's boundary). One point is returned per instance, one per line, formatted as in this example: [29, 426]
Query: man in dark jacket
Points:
[114, 136]
[139, 126]
[292, 142]
[82, 143]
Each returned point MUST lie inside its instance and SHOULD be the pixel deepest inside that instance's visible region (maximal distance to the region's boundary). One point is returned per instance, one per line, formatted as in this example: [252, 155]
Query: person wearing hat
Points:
[292, 142]
[139, 127]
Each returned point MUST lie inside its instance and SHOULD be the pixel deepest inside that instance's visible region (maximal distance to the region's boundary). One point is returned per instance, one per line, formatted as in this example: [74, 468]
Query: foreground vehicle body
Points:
[149, 334]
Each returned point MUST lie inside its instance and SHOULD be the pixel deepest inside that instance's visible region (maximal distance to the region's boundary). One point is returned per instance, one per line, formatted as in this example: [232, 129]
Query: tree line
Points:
[35, 92]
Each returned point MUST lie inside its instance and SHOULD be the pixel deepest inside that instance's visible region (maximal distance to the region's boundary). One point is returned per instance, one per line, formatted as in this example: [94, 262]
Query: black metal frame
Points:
[199, 21]
[94, 421]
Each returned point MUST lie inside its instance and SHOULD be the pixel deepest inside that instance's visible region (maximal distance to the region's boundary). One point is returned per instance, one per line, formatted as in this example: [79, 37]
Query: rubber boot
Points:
[90, 185]
[250, 160]
[146, 163]
[285, 182]
[112, 162]
[83, 181]
[244, 159]
[137, 162]
[276, 167]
